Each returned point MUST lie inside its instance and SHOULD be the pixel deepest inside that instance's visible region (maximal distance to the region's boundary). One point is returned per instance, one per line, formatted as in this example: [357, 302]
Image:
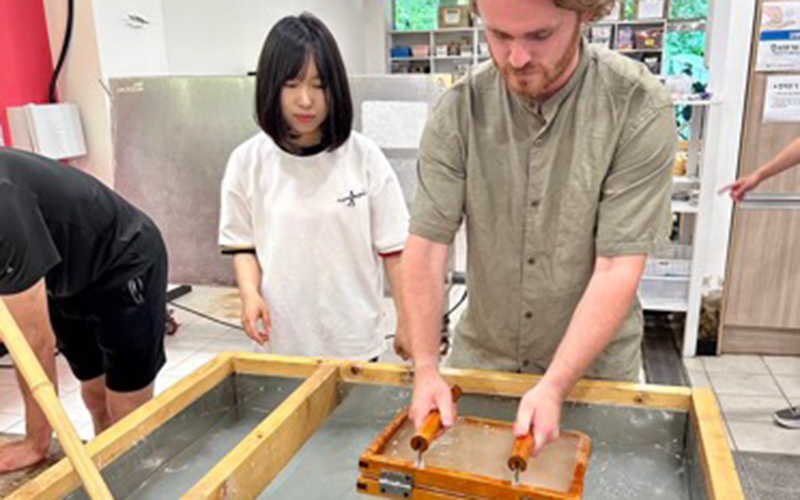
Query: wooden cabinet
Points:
[761, 312]
[762, 307]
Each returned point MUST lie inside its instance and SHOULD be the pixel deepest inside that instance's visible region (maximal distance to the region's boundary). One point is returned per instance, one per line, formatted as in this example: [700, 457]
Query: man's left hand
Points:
[540, 411]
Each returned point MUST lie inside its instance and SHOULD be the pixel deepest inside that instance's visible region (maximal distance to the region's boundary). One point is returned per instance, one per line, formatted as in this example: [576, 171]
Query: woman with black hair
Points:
[310, 208]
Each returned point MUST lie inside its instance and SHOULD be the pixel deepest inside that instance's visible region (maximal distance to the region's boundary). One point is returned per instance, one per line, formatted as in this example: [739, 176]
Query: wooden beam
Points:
[274, 365]
[247, 470]
[516, 384]
[472, 381]
[41, 387]
[722, 478]
[60, 480]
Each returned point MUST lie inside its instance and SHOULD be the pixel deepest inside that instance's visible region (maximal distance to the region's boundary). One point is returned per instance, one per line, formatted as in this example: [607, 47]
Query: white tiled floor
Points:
[749, 389]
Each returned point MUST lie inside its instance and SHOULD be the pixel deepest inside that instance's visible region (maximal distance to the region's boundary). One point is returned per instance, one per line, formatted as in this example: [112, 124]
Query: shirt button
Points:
[537, 142]
[526, 363]
[535, 203]
[531, 261]
[528, 315]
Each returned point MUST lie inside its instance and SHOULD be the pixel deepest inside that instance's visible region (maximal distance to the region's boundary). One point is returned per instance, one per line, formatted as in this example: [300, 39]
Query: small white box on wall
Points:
[52, 130]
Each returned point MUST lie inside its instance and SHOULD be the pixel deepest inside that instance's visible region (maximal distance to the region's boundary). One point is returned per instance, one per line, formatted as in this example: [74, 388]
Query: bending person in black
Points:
[83, 270]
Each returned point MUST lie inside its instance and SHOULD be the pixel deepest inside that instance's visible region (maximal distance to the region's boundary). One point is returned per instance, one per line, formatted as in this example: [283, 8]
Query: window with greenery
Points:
[415, 14]
[688, 9]
[685, 54]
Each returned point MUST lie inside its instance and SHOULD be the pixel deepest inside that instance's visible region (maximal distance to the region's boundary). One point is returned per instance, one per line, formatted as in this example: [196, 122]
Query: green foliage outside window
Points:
[422, 14]
[629, 10]
[685, 53]
[688, 9]
[416, 14]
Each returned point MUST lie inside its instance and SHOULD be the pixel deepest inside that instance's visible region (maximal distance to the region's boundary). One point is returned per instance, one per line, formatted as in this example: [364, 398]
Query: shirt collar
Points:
[548, 109]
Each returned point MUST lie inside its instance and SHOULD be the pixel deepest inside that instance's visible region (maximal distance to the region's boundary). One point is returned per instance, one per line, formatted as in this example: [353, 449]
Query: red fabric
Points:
[25, 61]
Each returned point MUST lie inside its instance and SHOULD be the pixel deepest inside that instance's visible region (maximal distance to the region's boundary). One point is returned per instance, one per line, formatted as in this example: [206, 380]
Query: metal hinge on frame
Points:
[396, 484]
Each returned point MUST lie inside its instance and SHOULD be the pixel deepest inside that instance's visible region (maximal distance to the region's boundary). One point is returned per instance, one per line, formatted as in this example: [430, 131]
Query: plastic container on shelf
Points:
[400, 51]
[664, 290]
[659, 267]
[421, 50]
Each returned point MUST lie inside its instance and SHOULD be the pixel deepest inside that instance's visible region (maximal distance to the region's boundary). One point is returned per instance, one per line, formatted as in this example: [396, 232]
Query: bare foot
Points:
[19, 455]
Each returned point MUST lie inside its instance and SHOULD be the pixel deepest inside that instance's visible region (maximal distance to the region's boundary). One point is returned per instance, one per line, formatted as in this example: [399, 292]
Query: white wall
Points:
[210, 37]
[377, 21]
[128, 48]
[187, 37]
[81, 83]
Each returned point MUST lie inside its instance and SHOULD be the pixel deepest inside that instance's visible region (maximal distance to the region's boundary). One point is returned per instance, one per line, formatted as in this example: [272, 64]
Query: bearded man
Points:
[557, 155]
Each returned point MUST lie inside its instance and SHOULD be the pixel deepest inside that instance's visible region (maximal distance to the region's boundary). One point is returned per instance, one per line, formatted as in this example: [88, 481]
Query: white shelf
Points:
[639, 51]
[684, 207]
[631, 22]
[469, 29]
[685, 179]
[457, 30]
[453, 58]
[698, 102]
[663, 304]
[409, 32]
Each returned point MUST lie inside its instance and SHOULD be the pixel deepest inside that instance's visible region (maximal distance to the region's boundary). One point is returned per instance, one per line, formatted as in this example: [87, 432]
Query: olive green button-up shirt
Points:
[544, 190]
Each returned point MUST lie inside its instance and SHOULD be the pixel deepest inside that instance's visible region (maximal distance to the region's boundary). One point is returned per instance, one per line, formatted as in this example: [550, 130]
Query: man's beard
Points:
[536, 79]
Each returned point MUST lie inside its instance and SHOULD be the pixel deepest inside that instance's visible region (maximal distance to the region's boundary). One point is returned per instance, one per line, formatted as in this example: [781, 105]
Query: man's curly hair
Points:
[597, 9]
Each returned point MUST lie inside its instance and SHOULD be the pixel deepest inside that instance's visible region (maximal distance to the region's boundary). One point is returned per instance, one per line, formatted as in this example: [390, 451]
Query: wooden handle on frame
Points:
[431, 426]
[45, 395]
[521, 453]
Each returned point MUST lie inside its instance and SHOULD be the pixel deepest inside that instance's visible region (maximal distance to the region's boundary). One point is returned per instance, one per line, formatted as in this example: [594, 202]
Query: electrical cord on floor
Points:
[206, 316]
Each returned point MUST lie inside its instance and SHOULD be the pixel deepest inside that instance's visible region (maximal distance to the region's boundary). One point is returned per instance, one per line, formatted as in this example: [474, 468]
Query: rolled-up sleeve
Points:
[441, 178]
[388, 212]
[635, 214]
[236, 218]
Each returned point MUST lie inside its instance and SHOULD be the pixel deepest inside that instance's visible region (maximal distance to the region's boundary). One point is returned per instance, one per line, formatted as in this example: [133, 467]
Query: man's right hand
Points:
[21, 454]
[431, 392]
[254, 308]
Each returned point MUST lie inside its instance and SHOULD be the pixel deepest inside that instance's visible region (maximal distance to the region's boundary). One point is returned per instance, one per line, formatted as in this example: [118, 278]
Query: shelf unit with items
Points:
[642, 40]
[453, 50]
[666, 283]
[449, 50]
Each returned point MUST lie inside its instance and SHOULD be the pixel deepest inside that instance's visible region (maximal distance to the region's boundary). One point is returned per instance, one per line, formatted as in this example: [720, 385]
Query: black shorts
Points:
[117, 330]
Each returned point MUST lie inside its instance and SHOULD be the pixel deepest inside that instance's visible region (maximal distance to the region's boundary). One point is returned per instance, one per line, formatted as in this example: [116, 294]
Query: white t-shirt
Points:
[319, 225]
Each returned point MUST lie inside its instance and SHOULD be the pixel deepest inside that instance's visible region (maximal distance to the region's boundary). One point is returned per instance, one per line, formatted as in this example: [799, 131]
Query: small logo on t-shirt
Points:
[351, 198]
[136, 289]
[9, 270]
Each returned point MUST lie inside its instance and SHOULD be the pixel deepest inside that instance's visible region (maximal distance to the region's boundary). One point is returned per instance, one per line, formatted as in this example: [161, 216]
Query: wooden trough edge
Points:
[318, 396]
[722, 479]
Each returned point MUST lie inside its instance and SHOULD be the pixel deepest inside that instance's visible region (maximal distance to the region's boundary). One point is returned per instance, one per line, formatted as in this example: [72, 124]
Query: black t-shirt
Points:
[63, 224]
